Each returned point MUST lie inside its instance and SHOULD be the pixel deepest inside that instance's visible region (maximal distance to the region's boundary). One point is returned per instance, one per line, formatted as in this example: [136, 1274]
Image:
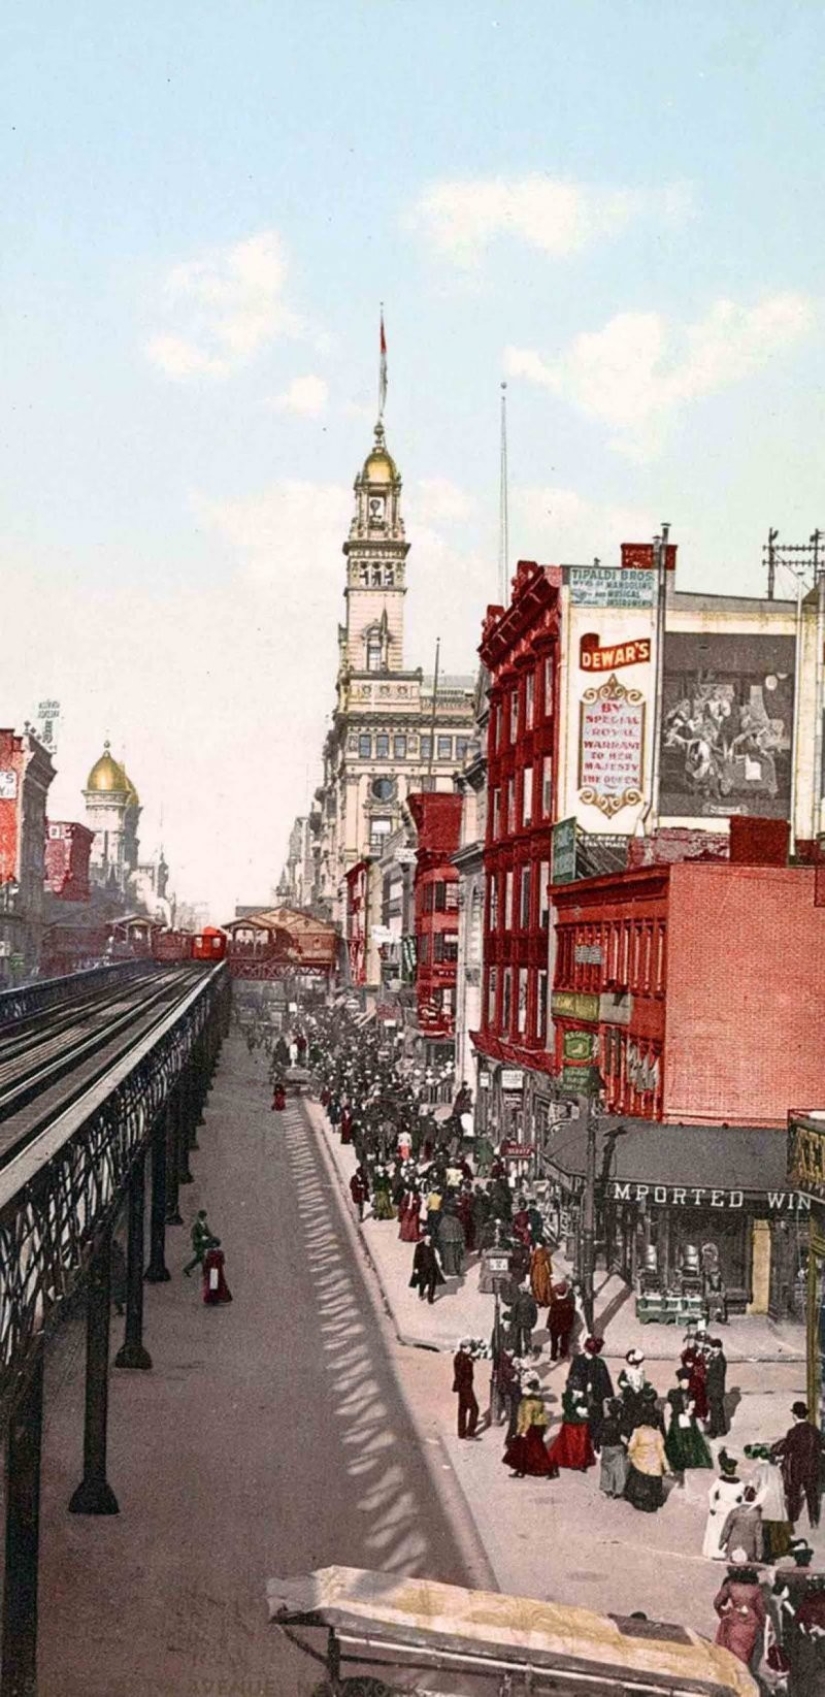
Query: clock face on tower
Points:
[376, 509]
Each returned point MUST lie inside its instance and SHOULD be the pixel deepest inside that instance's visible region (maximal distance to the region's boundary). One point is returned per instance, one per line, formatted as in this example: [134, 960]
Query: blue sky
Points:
[615, 206]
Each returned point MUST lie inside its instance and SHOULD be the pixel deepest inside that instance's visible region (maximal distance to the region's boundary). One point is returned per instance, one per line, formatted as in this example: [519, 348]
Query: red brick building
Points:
[26, 772]
[520, 648]
[357, 883]
[703, 983]
[68, 848]
[437, 818]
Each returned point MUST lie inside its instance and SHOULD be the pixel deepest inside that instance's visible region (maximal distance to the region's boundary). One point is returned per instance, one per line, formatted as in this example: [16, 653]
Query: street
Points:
[271, 1437]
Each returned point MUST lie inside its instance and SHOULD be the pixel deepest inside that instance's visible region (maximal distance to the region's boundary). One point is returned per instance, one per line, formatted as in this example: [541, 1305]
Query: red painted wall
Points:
[745, 994]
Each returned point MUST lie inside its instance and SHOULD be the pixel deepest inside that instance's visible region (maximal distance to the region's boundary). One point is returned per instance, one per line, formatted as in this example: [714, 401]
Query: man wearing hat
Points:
[800, 1452]
[561, 1318]
[463, 1385]
[716, 1374]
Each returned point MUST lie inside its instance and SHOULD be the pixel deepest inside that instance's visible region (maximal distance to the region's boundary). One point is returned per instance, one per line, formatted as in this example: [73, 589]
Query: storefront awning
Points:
[712, 1166]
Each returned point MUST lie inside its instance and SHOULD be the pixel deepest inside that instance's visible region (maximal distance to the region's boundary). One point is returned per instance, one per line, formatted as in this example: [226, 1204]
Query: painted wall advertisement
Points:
[727, 725]
[611, 746]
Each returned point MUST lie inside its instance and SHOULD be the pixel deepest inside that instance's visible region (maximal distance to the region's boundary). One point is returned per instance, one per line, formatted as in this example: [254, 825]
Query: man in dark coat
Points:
[800, 1452]
[426, 1273]
[718, 1423]
[520, 1319]
[561, 1318]
[463, 1385]
[359, 1189]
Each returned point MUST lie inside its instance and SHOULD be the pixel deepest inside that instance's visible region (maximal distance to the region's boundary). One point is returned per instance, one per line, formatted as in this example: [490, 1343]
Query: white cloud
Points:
[225, 306]
[437, 500]
[288, 538]
[461, 217]
[561, 527]
[637, 371]
[307, 395]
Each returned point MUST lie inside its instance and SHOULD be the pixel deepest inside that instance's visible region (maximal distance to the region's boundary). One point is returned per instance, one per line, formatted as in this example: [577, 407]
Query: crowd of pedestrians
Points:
[451, 1197]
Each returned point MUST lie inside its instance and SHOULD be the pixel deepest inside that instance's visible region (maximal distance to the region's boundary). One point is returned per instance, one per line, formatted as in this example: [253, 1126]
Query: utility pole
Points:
[588, 1258]
[772, 535]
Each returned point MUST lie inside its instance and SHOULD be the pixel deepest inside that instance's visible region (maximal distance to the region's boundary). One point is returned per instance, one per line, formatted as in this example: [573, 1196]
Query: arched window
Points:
[375, 650]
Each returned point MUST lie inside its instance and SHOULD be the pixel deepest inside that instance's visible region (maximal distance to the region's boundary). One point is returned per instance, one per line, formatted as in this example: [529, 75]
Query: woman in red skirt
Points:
[409, 1217]
[215, 1287]
[573, 1446]
[527, 1451]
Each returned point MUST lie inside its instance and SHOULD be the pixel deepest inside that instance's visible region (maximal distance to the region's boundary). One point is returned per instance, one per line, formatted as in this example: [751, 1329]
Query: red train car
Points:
[209, 944]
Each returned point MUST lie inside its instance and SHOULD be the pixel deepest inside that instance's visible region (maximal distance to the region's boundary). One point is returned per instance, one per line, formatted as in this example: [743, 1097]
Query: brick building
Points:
[68, 848]
[437, 819]
[26, 771]
[702, 983]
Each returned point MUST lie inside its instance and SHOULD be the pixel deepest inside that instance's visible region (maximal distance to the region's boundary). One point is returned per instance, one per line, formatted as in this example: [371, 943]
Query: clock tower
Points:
[376, 552]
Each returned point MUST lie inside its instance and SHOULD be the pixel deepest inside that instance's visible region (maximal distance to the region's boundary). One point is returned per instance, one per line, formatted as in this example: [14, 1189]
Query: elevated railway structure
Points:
[98, 1077]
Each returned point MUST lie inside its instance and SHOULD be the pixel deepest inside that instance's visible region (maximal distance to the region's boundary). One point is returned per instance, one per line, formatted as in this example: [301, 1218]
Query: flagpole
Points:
[382, 370]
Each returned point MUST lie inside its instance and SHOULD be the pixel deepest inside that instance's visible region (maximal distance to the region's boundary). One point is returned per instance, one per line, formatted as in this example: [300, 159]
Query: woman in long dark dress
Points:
[589, 1374]
[647, 1467]
[526, 1453]
[572, 1447]
[685, 1446]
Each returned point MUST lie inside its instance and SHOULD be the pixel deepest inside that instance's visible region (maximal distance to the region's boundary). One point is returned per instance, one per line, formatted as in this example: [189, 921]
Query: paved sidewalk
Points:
[562, 1538]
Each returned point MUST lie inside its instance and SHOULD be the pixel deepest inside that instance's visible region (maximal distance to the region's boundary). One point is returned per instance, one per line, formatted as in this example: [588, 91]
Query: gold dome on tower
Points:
[107, 774]
[379, 466]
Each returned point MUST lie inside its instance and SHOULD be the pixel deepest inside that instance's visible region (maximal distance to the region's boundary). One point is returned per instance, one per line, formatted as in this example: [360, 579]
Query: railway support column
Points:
[184, 1117]
[157, 1272]
[94, 1495]
[132, 1352]
[18, 1651]
[173, 1213]
[190, 1096]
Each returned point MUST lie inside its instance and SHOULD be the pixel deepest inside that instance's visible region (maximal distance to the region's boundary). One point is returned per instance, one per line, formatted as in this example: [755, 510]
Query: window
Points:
[365, 746]
[461, 746]
[508, 901]
[492, 986]
[493, 904]
[382, 789]
[399, 747]
[529, 694]
[547, 786]
[389, 577]
[549, 684]
[444, 746]
[382, 746]
[445, 946]
[512, 822]
[541, 1008]
[521, 1003]
[375, 653]
[426, 747]
[451, 898]
[495, 815]
[506, 997]
[514, 714]
[527, 796]
[525, 897]
[379, 832]
[544, 898]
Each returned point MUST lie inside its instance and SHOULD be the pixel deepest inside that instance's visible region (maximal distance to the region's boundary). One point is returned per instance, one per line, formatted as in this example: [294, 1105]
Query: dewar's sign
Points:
[595, 658]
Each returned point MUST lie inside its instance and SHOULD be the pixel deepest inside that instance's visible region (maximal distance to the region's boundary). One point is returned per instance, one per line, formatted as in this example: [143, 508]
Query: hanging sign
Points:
[512, 1079]
[563, 852]
[579, 1045]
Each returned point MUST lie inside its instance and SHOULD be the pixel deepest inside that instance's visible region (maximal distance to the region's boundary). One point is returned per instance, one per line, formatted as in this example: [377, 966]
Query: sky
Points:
[615, 207]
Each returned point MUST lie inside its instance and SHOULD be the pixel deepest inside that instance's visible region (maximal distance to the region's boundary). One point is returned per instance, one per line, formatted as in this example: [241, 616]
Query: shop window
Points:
[526, 872]
[529, 695]
[527, 796]
[506, 998]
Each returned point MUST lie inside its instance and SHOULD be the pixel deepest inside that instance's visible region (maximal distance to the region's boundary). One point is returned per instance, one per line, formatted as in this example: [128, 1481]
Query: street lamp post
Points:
[594, 1084]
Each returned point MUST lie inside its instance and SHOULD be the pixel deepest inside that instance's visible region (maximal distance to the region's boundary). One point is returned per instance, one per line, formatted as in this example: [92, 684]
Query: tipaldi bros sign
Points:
[806, 1155]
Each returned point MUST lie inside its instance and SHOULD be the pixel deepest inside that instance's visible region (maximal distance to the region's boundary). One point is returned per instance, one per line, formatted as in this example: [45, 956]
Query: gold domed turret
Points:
[107, 774]
[379, 466]
[132, 797]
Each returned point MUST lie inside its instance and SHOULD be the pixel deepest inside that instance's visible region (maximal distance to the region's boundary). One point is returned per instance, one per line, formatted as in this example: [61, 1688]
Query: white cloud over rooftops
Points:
[460, 217]
[306, 395]
[638, 370]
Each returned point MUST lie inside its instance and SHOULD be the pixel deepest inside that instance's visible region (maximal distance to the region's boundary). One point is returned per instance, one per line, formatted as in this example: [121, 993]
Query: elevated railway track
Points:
[93, 1079]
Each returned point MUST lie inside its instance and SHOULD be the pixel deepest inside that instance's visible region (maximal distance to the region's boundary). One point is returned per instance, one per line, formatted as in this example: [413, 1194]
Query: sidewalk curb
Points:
[474, 1552]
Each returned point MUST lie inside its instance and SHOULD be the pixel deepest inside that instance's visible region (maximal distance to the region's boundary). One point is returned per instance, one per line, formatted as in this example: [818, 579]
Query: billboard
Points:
[611, 746]
[727, 725]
